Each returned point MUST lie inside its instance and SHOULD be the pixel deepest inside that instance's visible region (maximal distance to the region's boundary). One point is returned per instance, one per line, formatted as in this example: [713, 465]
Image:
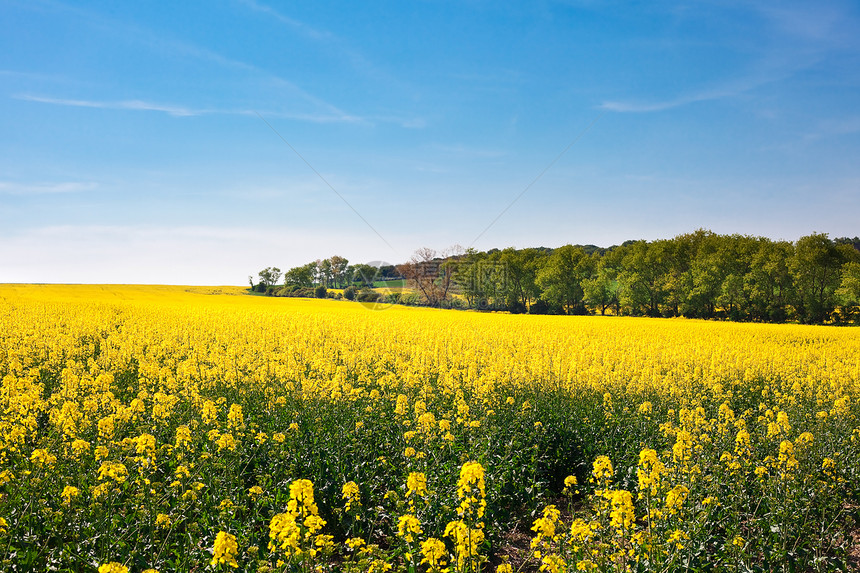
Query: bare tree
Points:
[431, 273]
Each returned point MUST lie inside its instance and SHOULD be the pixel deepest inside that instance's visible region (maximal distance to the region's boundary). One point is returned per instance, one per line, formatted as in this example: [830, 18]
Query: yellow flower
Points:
[351, 494]
[226, 441]
[209, 412]
[678, 537]
[408, 526]
[69, 492]
[113, 567]
[786, 459]
[225, 549]
[545, 526]
[183, 437]
[602, 471]
[80, 447]
[284, 533]
[235, 418]
[471, 491]
[6, 476]
[400, 406]
[683, 448]
[434, 553]
[650, 472]
[743, 448]
[301, 503]
[42, 457]
[162, 520]
[675, 498]
[3, 526]
[553, 564]
[467, 541]
[106, 428]
[621, 512]
[113, 470]
[416, 484]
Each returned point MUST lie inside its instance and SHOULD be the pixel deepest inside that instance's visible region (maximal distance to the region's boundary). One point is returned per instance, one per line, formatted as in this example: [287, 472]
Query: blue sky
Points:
[136, 142]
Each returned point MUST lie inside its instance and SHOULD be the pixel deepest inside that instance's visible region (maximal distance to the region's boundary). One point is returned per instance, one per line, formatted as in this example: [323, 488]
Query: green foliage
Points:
[696, 275]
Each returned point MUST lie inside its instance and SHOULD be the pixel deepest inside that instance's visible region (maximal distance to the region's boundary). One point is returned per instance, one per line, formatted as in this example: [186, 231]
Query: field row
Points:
[181, 429]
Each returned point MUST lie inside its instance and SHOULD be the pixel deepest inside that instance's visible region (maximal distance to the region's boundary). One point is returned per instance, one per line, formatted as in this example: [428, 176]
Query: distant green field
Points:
[399, 283]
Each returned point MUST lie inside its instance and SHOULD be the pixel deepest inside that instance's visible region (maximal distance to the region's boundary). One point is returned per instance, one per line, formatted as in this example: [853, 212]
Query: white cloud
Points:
[305, 29]
[12, 188]
[836, 127]
[794, 38]
[332, 116]
[134, 105]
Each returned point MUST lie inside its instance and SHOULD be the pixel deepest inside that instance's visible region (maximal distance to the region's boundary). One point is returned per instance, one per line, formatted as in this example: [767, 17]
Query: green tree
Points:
[338, 266]
[324, 274]
[848, 293]
[301, 276]
[601, 289]
[815, 267]
[769, 282]
[364, 274]
[561, 276]
[641, 279]
[269, 276]
[521, 269]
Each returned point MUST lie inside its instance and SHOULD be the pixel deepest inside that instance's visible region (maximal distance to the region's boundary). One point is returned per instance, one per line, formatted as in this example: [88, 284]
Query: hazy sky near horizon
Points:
[198, 142]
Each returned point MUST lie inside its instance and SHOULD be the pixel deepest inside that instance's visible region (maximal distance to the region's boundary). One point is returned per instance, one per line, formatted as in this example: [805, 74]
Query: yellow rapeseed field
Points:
[192, 428]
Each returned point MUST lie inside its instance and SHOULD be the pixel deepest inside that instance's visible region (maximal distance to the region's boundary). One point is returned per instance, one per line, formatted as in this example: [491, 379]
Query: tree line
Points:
[316, 277]
[697, 275]
[702, 274]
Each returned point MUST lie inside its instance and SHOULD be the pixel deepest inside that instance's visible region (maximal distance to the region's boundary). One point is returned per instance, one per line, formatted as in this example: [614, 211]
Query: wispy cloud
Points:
[836, 127]
[334, 116]
[321, 117]
[31, 75]
[297, 25]
[133, 105]
[461, 150]
[13, 188]
[799, 37]
[321, 110]
[334, 43]
[727, 90]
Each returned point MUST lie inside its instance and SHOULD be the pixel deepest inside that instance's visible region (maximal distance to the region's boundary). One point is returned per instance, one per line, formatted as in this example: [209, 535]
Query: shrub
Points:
[367, 296]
